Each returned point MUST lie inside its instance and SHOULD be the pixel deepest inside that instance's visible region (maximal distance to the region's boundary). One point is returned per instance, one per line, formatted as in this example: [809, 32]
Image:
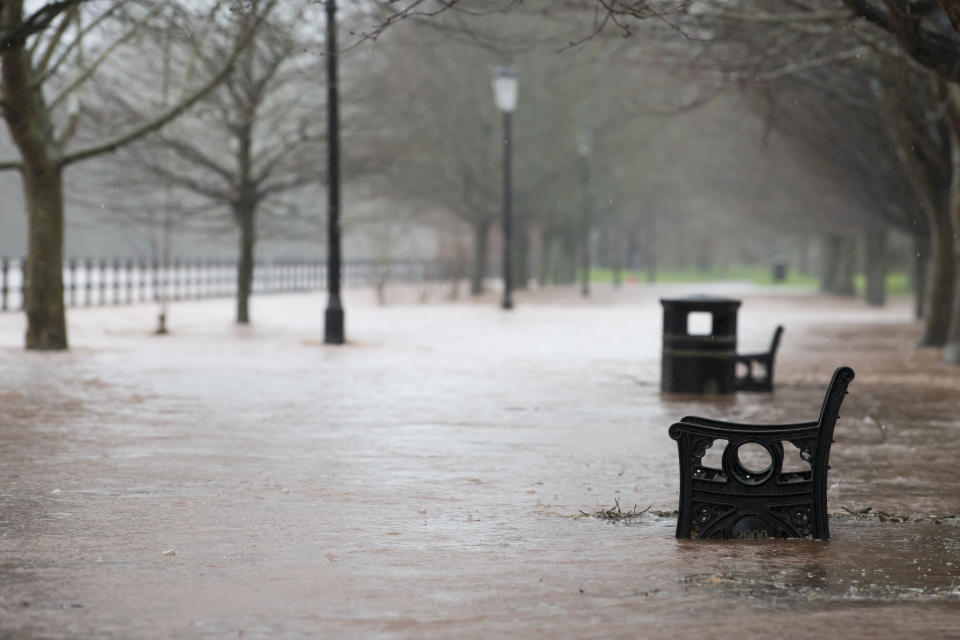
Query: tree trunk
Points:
[567, 258]
[543, 266]
[848, 267]
[46, 319]
[459, 268]
[830, 259]
[619, 248]
[919, 272]
[838, 265]
[521, 257]
[940, 288]
[245, 216]
[30, 128]
[940, 283]
[480, 233]
[875, 245]
[554, 258]
[634, 254]
[651, 246]
[803, 255]
[952, 351]
[616, 252]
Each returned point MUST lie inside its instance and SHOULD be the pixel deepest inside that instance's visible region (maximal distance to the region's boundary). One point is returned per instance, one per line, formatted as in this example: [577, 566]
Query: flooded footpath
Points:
[440, 475]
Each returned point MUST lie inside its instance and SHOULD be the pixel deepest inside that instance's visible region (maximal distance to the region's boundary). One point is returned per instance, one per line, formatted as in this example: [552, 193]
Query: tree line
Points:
[212, 108]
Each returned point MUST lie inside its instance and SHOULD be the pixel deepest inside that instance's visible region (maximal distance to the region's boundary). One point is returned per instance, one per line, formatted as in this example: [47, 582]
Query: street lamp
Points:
[333, 321]
[585, 148]
[505, 93]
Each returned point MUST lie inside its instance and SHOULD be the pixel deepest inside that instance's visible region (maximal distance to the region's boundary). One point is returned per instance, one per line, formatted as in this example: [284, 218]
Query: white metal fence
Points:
[114, 282]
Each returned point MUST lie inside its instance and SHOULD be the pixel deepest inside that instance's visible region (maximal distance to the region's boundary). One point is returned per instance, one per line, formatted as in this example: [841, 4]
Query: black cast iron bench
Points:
[758, 374]
[737, 501]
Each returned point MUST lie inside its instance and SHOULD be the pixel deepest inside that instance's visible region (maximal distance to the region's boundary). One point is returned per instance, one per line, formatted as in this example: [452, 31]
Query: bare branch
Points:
[415, 11]
[91, 69]
[36, 22]
[803, 65]
[184, 181]
[162, 119]
[933, 49]
[77, 41]
[192, 153]
[295, 182]
[68, 17]
[952, 9]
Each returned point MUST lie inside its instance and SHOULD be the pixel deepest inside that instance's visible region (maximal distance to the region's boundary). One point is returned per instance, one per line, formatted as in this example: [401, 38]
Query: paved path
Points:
[420, 482]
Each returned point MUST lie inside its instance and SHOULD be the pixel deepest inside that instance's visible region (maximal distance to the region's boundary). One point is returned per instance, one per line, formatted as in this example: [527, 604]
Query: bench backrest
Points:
[829, 412]
[776, 341]
[830, 409]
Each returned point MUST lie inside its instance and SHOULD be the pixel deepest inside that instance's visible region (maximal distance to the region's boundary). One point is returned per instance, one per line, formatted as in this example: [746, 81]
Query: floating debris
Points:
[614, 513]
[792, 590]
[867, 513]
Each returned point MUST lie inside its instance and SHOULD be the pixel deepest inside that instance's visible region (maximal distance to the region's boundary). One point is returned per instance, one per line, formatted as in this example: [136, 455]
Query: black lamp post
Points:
[585, 148]
[333, 326]
[505, 93]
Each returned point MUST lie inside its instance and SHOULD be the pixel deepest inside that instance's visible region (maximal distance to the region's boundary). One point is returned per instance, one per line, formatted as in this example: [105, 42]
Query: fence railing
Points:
[104, 282]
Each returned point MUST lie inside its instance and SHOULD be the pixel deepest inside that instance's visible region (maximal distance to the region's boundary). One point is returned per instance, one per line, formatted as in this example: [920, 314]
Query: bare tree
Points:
[250, 144]
[45, 67]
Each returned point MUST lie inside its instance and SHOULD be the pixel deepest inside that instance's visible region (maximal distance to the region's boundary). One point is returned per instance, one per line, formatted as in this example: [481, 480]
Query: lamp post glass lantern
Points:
[505, 94]
[505, 88]
[585, 149]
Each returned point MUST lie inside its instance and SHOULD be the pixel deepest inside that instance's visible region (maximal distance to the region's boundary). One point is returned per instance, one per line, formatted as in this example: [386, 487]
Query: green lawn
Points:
[897, 283]
[757, 275]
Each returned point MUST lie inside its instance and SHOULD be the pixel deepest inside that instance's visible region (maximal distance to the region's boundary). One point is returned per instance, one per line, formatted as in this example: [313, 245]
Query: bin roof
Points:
[700, 300]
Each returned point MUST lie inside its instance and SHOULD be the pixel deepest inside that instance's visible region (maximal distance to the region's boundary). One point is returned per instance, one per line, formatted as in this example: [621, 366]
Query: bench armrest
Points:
[743, 357]
[707, 422]
[726, 430]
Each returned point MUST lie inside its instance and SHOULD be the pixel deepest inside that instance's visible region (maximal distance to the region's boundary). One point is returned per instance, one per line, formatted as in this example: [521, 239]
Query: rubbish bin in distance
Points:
[779, 269]
[699, 359]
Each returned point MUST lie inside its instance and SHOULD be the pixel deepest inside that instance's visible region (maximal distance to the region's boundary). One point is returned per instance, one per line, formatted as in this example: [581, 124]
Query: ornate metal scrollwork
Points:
[798, 517]
[698, 448]
[706, 516]
[806, 448]
[741, 501]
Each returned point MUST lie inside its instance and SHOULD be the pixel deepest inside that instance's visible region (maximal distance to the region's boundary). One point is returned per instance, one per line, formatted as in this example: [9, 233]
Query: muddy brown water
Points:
[423, 481]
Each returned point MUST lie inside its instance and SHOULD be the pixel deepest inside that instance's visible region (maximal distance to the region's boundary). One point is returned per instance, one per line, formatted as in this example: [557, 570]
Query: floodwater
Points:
[428, 480]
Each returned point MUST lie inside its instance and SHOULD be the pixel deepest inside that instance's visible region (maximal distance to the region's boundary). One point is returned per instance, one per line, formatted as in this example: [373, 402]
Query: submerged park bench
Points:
[737, 501]
[701, 357]
[758, 367]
